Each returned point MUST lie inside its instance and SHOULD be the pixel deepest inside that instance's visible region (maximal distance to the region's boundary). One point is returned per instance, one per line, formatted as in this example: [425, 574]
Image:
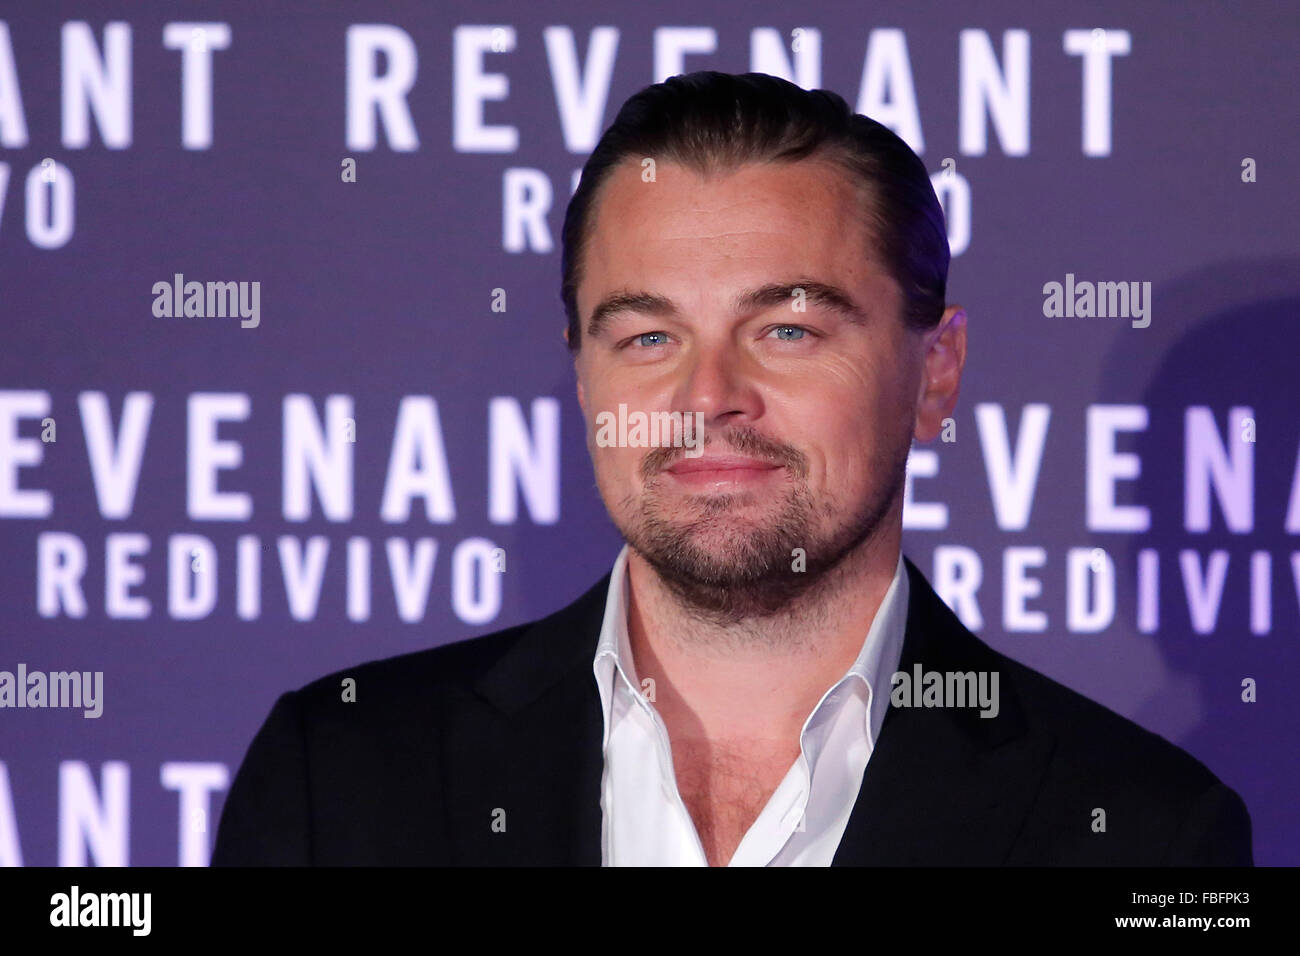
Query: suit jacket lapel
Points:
[522, 753]
[945, 786]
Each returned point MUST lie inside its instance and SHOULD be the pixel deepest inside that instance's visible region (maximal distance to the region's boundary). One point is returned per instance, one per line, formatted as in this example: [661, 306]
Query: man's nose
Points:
[719, 383]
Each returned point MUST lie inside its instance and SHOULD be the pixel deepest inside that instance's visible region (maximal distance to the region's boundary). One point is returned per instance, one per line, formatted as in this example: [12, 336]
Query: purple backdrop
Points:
[209, 512]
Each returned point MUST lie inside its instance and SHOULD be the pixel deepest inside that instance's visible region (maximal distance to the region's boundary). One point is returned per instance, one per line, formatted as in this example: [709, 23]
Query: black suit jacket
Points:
[439, 742]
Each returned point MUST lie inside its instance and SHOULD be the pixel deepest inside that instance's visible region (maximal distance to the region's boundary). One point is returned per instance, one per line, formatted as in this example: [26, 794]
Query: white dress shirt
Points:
[644, 820]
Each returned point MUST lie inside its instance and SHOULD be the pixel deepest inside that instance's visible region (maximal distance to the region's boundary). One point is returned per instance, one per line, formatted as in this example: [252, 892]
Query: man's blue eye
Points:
[789, 328]
[641, 339]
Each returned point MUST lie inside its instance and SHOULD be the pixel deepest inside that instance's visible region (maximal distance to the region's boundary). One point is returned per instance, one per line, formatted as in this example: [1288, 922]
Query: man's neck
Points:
[755, 681]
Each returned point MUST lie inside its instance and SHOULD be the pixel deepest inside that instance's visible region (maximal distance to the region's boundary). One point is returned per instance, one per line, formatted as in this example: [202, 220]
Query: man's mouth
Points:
[721, 469]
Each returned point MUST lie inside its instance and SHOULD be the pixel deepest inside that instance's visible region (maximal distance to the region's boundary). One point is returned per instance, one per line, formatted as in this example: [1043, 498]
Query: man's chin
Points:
[725, 534]
[720, 564]
[728, 567]
[707, 504]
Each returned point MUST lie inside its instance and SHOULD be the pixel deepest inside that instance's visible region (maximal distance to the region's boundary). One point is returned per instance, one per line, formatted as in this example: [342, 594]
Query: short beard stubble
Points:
[752, 573]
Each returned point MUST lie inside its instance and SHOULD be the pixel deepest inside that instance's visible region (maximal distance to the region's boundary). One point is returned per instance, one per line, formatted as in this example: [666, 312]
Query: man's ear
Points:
[941, 368]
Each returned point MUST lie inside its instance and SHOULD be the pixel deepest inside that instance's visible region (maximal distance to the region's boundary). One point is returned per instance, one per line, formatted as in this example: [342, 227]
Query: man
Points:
[755, 258]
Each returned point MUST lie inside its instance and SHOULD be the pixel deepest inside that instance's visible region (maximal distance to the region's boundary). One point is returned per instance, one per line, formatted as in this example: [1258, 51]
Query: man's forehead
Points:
[782, 219]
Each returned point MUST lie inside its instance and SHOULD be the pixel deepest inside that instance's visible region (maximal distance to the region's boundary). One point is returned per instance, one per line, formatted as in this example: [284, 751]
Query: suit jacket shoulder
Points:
[1054, 779]
[364, 781]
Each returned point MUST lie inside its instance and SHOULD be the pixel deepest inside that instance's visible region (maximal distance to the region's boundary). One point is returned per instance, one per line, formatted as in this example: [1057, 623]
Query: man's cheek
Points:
[848, 375]
[618, 465]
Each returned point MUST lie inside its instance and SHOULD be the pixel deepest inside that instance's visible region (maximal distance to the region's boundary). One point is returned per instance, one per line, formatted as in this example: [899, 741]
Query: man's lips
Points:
[723, 466]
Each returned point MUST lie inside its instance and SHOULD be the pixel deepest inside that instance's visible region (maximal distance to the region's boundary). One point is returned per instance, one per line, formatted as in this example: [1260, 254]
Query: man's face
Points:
[808, 410]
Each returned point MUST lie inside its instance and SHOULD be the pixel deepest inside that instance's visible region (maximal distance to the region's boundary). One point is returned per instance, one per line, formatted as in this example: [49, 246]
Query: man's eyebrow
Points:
[764, 297]
[818, 293]
[644, 303]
